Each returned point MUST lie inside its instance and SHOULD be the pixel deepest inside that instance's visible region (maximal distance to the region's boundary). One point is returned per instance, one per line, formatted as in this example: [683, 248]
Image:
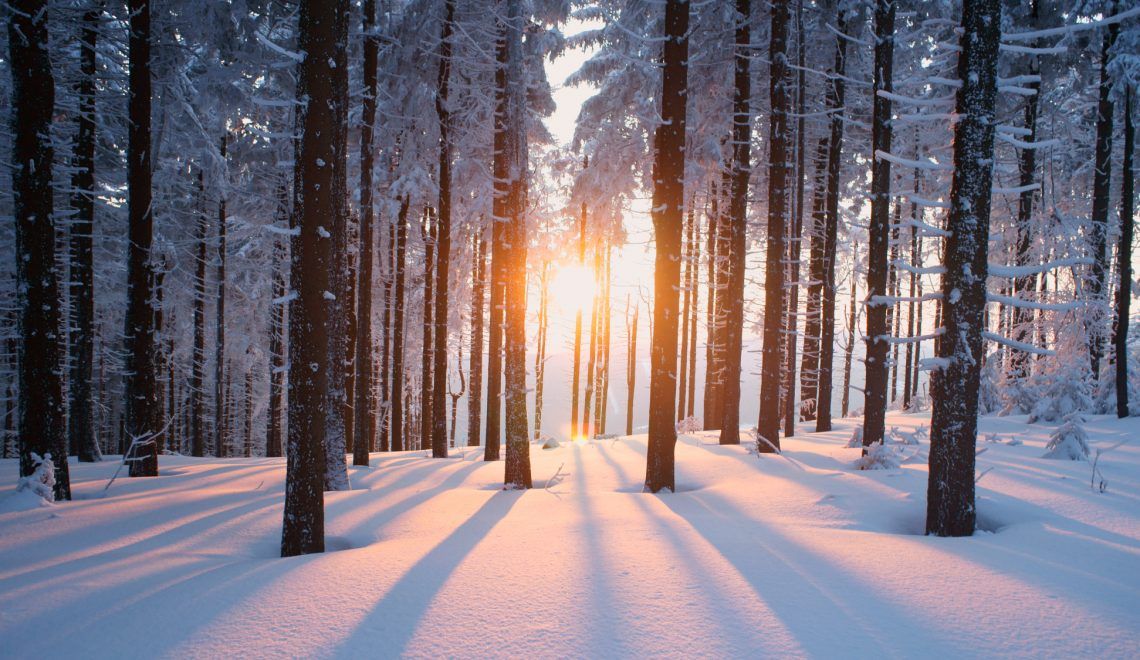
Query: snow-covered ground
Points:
[791, 555]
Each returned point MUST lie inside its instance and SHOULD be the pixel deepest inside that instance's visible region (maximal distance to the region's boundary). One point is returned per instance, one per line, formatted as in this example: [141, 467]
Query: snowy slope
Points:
[792, 555]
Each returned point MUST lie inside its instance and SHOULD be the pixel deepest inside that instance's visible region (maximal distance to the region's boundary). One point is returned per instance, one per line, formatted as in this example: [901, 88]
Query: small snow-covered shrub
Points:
[989, 389]
[1069, 441]
[879, 457]
[1062, 386]
[688, 425]
[856, 439]
[42, 480]
[900, 437]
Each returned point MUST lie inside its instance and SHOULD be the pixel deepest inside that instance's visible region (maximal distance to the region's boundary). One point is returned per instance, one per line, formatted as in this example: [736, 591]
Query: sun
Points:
[573, 289]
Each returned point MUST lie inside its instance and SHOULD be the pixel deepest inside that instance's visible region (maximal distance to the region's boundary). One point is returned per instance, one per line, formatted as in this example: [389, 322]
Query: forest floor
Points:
[792, 555]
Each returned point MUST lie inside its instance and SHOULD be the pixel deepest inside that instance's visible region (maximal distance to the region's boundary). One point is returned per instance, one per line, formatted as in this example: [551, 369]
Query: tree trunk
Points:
[954, 421]
[540, 354]
[475, 402]
[592, 353]
[686, 309]
[875, 385]
[694, 286]
[386, 378]
[221, 433]
[396, 408]
[795, 245]
[429, 232]
[737, 219]
[1102, 177]
[141, 421]
[836, 100]
[321, 35]
[81, 416]
[517, 468]
[604, 399]
[845, 404]
[631, 363]
[576, 369]
[277, 364]
[363, 413]
[768, 426]
[342, 319]
[42, 409]
[667, 210]
[198, 365]
[442, 242]
[710, 405]
[1124, 290]
[813, 315]
[499, 218]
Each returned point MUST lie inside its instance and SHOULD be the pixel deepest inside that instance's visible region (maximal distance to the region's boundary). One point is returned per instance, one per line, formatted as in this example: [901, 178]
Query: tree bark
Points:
[576, 369]
[737, 219]
[277, 363]
[81, 418]
[517, 469]
[795, 244]
[429, 231]
[631, 363]
[42, 409]
[954, 421]
[221, 433]
[875, 384]
[1124, 288]
[198, 365]
[362, 391]
[478, 298]
[141, 420]
[396, 409]
[540, 354]
[1102, 177]
[768, 426]
[667, 210]
[442, 242]
[320, 35]
[499, 256]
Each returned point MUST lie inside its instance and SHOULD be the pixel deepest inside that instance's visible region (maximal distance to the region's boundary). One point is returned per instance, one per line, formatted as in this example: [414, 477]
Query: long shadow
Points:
[730, 619]
[802, 588]
[50, 566]
[395, 617]
[388, 511]
[601, 594]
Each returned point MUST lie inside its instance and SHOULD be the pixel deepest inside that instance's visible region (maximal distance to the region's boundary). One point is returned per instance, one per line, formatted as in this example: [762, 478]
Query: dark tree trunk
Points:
[809, 363]
[953, 423]
[273, 436]
[478, 297]
[248, 396]
[1124, 290]
[875, 385]
[517, 469]
[81, 416]
[342, 312]
[198, 365]
[795, 243]
[592, 353]
[396, 409]
[631, 363]
[1102, 177]
[667, 210]
[576, 375]
[768, 426]
[386, 342]
[142, 421]
[320, 36]
[429, 232]
[737, 219]
[1027, 164]
[686, 309]
[540, 354]
[443, 241]
[499, 218]
[42, 409]
[363, 412]
[604, 390]
[694, 286]
[710, 404]
[221, 433]
[845, 404]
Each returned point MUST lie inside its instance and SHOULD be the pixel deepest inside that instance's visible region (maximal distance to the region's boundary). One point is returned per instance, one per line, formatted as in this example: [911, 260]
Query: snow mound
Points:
[879, 457]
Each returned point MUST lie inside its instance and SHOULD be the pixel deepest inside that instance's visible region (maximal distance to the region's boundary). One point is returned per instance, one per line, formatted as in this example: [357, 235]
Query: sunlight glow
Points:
[573, 289]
